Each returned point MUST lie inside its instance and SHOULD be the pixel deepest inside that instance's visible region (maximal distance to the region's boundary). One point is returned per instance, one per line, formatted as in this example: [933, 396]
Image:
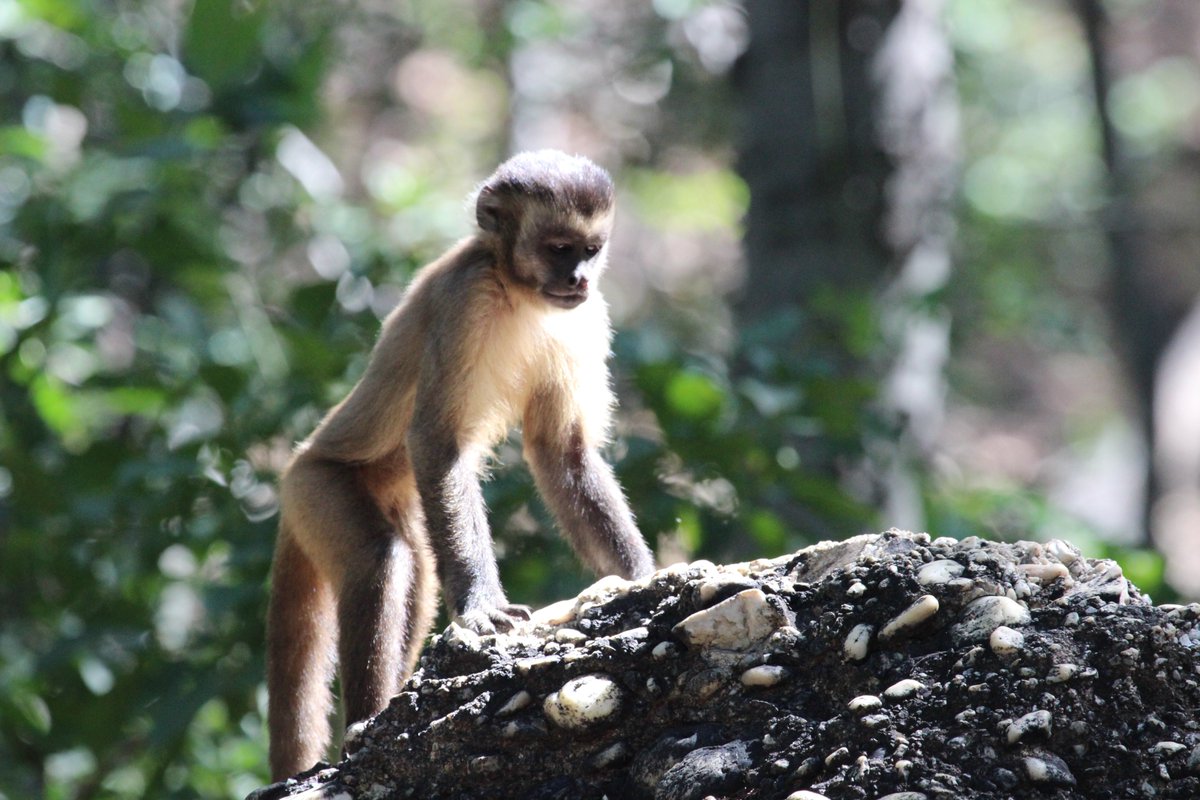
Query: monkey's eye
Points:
[560, 247]
[591, 250]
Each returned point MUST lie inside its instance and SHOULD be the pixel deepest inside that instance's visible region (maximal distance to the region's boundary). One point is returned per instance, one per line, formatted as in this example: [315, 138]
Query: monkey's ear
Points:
[489, 210]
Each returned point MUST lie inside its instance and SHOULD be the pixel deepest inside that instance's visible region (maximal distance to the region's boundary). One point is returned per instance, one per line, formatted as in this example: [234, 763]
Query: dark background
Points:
[922, 264]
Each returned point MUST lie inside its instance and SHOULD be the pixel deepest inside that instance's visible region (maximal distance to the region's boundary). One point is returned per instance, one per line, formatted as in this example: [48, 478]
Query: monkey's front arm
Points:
[581, 491]
[456, 522]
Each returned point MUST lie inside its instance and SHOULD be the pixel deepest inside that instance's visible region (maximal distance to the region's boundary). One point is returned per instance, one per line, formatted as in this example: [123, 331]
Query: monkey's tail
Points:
[301, 634]
[422, 600]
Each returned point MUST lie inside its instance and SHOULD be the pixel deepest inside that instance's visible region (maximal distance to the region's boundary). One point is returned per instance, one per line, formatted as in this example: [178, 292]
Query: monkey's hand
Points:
[493, 619]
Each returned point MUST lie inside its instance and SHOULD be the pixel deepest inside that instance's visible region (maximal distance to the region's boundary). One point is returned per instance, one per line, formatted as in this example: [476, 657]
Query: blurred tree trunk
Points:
[1141, 330]
[809, 153]
[850, 148]
[1152, 226]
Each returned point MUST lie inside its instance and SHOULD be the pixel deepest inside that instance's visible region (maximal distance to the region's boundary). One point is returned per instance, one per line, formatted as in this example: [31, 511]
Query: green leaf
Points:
[694, 395]
[53, 405]
[205, 133]
[140, 400]
[222, 45]
[58, 13]
[690, 530]
[33, 712]
[18, 141]
[768, 530]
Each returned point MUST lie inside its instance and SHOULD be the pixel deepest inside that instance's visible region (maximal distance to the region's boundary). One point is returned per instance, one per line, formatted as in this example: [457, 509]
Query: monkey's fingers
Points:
[477, 621]
[521, 612]
[499, 619]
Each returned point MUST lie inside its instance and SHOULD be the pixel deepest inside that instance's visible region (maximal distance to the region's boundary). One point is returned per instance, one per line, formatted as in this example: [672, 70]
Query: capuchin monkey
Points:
[505, 328]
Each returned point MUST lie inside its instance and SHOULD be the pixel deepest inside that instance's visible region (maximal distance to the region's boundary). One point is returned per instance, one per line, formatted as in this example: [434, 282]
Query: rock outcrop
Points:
[887, 666]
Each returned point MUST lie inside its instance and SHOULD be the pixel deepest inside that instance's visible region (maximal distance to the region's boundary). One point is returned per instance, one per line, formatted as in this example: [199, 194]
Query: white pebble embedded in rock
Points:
[515, 703]
[901, 690]
[858, 642]
[961, 585]
[737, 623]
[865, 703]
[607, 588]
[1066, 553]
[610, 755]
[1061, 673]
[354, 733]
[1045, 572]
[938, 572]
[559, 613]
[1048, 768]
[985, 614]
[1167, 748]
[805, 794]
[637, 634]
[921, 610]
[1006, 642]
[1033, 721]
[837, 756]
[569, 636]
[462, 638]
[525, 666]
[904, 796]
[714, 586]
[763, 676]
[583, 701]
[785, 639]
[664, 650]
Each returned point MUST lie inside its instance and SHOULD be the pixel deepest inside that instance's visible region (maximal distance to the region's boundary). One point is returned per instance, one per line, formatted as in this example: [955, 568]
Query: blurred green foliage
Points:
[188, 282]
[140, 360]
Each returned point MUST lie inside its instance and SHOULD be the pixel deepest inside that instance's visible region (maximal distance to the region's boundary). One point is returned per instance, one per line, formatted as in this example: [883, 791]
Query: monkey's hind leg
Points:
[373, 626]
[386, 615]
[300, 647]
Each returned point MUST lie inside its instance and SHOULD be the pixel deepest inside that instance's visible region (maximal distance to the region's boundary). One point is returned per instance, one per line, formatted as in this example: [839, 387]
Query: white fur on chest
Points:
[530, 348]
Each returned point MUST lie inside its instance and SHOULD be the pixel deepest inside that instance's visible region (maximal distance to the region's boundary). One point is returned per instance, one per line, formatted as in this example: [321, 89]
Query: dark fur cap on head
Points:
[561, 182]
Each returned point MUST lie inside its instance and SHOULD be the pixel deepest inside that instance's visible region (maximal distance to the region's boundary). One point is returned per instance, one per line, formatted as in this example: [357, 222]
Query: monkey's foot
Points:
[497, 619]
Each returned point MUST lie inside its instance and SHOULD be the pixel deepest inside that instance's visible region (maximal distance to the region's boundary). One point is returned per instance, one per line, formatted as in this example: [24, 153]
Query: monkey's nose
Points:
[577, 281]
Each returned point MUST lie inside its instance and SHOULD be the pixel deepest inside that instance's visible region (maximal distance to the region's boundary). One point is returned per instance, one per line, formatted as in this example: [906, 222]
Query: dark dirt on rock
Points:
[885, 666]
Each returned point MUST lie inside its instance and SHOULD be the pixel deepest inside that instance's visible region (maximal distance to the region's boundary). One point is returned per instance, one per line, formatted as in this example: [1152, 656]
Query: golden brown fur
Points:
[504, 328]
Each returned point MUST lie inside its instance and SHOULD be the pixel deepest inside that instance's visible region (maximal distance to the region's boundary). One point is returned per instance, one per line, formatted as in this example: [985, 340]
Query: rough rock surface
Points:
[887, 666]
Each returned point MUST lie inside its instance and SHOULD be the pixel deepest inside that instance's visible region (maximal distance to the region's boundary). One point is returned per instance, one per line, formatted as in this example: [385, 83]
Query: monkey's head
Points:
[547, 216]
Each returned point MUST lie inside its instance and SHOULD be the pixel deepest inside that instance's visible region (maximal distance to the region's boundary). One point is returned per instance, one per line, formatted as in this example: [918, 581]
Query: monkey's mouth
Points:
[565, 298]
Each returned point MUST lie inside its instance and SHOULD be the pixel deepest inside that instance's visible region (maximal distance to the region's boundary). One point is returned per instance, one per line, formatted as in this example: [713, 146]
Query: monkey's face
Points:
[562, 259]
[547, 216]
[571, 263]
